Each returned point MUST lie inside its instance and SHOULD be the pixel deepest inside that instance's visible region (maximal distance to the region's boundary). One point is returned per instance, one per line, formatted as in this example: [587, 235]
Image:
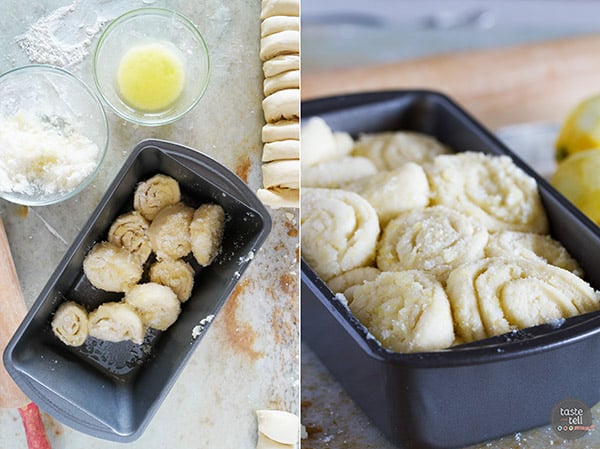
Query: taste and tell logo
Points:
[571, 419]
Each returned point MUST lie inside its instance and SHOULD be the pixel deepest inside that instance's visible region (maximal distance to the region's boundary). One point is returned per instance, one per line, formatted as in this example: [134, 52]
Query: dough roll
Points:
[130, 231]
[112, 268]
[277, 197]
[206, 232]
[155, 193]
[70, 324]
[279, 64]
[178, 275]
[116, 321]
[169, 232]
[157, 305]
[282, 105]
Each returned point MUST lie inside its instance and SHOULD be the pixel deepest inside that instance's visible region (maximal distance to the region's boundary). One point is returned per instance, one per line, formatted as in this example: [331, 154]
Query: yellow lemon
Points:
[578, 178]
[581, 129]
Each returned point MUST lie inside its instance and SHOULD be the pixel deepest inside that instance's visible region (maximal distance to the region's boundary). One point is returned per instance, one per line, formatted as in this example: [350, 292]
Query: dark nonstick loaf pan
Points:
[474, 392]
[111, 390]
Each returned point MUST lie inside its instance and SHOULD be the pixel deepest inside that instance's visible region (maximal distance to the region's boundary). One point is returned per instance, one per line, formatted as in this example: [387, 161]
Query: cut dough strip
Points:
[285, 80]
[271, 8]
[281, 174]
[275, 24]
[277, 197]
[281, 130]
[283, 104]
[281, 43]
[280, 64]
[283, 149]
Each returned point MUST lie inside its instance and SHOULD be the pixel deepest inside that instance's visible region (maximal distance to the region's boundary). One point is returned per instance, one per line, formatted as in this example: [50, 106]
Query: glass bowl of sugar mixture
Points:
[53, 135]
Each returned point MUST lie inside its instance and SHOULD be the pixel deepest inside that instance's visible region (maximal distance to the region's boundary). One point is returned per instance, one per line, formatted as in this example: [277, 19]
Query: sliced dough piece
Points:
[155, 193]
[498, 295]
[169, 232]
[283, 104]
[206, 232]
[112, 268]
[407, 311]
[530, 245]
[281, 63]
[278, 426]
[347, 282]
[390, 150]
[334, 174]
[280, 150]
[285, 80]
[281, 43]
[281, 174]
[70, 323]
[435, 239]
[275, 24]
[178, 275]
[130, 231]
[276, 197]
[489, 188]
[281, 130]
[321, 144]
[116, 321]
[156, 304]
[339, 231]
[271, 8]
[395, 191]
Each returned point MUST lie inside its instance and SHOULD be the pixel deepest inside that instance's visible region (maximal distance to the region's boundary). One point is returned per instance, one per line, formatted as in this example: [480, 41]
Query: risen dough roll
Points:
[339, 231]
[280, 64]
[395, 191]
[435, 239]
[497, 295]
[347, 282]
[390, 150]
[407, 311]
[489, 188]
[529, 245]
[112, 268]
[321, 144]
[281, 130]
[154, 194]
[282, 105]
[70, 323]
[130, 231]
[334, 174]
[178, 275]
[169, 232]
[157, 305]
[116, 321]
[206, 232]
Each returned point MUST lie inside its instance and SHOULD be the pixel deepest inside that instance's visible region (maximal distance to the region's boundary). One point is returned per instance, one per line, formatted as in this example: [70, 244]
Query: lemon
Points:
[581, 129]
[578, 178]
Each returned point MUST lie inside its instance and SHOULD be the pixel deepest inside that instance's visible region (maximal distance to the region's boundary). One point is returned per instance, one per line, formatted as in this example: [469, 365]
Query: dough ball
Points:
[407, 311]
[154, 194]
[116, 321]
[112, 268]
[178, 275]
[321, 144]
[434, 239]
[491, 189]
[390, 150]
[206, 230]
[334, 174]
[339, 231]
[130, 231]
[157, 305]
[169, 232]
[70, 324]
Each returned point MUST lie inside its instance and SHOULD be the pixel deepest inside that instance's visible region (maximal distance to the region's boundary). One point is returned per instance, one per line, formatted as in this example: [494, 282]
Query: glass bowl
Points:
[151, 66]
[53, 135]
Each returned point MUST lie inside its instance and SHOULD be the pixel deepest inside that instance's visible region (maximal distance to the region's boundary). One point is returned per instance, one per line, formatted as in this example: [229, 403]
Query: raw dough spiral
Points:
[70, 323]
[157, 305]
[497, 295]
[178, 275]
[169, 232]
[155, 193]
[390, 150]
[490, 188]
[408, 311]
[116, 321]
[435, 239]
[130, 231]
[112, 268]
[206, 231]
[339, 231]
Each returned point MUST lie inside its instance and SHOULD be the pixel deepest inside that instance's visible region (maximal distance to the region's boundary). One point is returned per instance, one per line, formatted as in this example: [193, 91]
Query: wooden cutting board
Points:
[528, 83]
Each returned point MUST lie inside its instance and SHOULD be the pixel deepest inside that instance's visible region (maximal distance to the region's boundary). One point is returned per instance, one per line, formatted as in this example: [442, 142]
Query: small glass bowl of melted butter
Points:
[151, 66]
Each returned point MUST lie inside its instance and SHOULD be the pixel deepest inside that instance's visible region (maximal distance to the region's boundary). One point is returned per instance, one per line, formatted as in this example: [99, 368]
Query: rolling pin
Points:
[12, 311]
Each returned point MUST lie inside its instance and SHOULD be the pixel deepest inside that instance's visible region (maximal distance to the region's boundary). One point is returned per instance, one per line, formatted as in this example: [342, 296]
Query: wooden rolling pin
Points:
[527, 83]
[12, 311]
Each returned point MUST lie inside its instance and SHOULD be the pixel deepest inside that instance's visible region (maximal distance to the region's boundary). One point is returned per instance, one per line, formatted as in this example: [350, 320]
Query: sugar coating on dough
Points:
[112, 268]
[154, 194]
[156, 304]
[339, 231]
[70, 323]
[390, 150]
[169, 232]
[435, 239]
[116, 321]
[178, 275]
[407, 311]
[336, 173]
[489, 188]
[206, 232]
[130, 231]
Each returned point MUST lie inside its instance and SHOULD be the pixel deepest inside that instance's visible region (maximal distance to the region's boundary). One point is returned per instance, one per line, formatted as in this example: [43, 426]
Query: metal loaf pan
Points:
[475, 392]
[111, 390]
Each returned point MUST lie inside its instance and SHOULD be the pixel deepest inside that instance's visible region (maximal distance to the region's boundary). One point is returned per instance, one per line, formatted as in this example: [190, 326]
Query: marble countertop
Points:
[249, 358]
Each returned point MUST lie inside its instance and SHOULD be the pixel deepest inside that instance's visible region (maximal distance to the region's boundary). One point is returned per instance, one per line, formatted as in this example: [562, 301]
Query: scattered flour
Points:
[197, 330]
